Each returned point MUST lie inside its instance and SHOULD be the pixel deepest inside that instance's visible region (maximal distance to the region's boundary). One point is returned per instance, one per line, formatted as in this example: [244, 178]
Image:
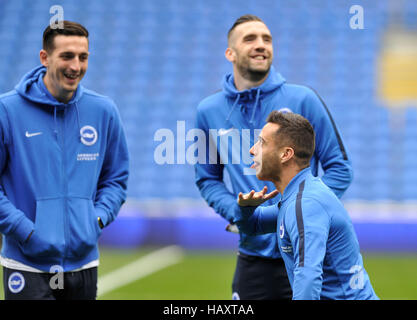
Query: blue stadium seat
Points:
[158, 59]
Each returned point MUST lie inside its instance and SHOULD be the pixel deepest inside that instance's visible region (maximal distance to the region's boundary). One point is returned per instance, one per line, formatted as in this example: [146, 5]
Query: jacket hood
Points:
[256, 94]
[32, 87]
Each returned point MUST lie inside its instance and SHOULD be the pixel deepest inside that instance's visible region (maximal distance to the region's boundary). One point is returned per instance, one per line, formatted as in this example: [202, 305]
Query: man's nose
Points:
[252, 150]
[260, 44]
[75, 64]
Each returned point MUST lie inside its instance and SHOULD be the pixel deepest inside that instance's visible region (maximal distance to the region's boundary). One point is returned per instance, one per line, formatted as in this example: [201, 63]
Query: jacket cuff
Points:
[231, 213]
[243, 213]
[102, 213]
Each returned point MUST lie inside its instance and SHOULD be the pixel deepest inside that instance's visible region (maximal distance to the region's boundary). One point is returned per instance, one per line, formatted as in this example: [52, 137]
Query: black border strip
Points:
[300, 224]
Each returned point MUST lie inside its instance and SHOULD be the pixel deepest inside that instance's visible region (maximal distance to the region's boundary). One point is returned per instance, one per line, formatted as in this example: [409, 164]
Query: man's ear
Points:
[43, 56]
[286, 154]
[230, 54]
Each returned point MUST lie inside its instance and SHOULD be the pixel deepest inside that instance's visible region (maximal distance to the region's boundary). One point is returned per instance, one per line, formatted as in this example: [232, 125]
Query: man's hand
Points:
[254, 199]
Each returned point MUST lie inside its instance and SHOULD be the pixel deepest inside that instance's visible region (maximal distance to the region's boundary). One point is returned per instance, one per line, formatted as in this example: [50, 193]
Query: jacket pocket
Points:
[48, 238]
[83, 227]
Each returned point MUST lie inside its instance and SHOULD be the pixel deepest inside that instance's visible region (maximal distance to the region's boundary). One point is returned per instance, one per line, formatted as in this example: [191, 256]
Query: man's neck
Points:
[287, 175]
[63, 97]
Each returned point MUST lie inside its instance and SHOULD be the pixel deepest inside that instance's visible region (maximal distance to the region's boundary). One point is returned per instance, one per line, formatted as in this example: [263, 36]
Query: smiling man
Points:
[63, 173]
[249, 94]
[251, 52]
[66, 60]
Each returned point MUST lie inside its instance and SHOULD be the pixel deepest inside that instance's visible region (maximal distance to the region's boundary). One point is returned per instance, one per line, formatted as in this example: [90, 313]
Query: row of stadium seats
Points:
[158, 59]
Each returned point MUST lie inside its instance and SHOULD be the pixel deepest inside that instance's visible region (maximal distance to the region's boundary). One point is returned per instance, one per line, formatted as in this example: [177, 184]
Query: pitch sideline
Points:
[139, 268]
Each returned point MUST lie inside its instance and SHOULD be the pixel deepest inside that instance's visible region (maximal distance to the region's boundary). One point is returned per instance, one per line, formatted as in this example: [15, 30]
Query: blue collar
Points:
[292, 187]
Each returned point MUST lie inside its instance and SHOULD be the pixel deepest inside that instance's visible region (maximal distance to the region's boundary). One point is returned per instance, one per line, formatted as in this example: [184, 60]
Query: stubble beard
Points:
[252, 75]
[269, 172]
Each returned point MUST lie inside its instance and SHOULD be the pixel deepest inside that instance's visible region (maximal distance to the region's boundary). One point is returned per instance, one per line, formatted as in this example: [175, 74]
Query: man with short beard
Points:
[63, 173]
[249, 94]
[316, 237]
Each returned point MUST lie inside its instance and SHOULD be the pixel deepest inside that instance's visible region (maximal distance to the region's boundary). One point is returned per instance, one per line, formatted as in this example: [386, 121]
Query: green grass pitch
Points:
[207, 275]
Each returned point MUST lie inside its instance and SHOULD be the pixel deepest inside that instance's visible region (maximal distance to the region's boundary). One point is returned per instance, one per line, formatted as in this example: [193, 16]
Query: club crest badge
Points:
[89, 135]
[281, 229]
[16, 282]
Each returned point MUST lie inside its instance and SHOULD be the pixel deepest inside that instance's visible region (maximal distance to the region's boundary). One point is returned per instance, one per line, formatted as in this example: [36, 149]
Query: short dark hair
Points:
[70, 29]
[243, 19]
[296, 132]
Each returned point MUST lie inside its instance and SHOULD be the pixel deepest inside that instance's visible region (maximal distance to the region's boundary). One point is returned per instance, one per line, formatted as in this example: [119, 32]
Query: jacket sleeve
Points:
[308, 229]
[13, 222]
[330, 149]
[209, 177]
[112, 184]
[257, 220]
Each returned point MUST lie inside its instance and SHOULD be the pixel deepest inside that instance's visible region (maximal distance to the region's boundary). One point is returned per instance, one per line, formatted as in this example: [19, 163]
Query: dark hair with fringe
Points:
[296, 132]
[243, 19]
[70, 29]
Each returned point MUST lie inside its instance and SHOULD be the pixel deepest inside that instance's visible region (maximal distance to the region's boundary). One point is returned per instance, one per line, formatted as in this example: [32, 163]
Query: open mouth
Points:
[71, 77]
[255, 165]
[259, 57]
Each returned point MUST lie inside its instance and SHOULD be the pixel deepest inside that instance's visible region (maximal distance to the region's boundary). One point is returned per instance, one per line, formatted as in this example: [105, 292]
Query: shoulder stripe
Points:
[339, 139]
[300, 224]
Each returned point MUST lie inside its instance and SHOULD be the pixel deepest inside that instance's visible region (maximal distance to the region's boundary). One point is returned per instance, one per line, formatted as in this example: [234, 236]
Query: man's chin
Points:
[260, 68]
[257, 74]
[260, 176]
[70, 87]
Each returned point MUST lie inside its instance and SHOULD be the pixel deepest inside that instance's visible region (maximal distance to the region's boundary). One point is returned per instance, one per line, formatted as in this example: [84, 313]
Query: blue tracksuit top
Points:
[316, 239]
[61, 167]
[239, 117]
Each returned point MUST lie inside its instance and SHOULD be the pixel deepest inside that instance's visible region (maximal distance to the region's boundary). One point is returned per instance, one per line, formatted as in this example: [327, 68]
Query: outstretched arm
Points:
[253, 219]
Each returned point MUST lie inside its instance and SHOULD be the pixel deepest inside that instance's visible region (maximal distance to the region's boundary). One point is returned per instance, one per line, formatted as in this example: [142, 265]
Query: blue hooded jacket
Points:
[61, 166]
[317, 241]
[232, 121]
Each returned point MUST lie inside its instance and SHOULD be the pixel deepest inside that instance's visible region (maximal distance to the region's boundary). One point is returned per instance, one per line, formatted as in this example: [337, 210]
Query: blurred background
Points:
[159, 58]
